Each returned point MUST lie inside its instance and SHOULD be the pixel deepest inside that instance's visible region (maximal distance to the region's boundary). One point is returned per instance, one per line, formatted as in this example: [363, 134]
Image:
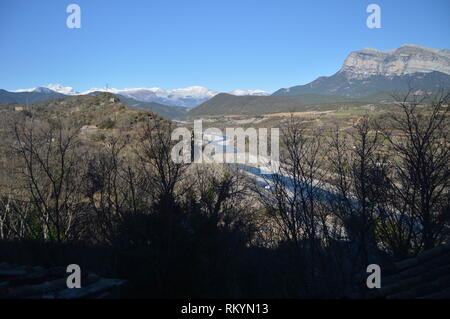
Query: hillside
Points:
[102, 111]
[225, 104]
[166, 111]
[24, 98]
[354, 88]
[44, 95]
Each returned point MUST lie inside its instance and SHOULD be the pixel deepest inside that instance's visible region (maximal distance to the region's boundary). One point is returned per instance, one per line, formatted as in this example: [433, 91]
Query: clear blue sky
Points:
[222, 45]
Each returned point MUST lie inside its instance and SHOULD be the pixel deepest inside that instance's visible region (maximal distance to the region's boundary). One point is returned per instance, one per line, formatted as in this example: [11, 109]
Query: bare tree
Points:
[418, 138]
[358, 167]
[221, 194]
[50, 160]
[297, 196]
[154, 155]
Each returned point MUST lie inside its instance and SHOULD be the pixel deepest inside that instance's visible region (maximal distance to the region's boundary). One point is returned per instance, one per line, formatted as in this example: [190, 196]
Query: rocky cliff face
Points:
[371, 71]
[407, 59]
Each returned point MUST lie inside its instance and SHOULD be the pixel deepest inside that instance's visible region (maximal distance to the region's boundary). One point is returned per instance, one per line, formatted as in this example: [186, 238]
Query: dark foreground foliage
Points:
[121, 207]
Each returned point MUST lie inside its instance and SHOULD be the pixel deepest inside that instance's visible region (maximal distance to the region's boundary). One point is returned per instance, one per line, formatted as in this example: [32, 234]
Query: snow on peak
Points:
[109, 90]
[189, 96]
[67, 90]
[250, 92]
[194, 91]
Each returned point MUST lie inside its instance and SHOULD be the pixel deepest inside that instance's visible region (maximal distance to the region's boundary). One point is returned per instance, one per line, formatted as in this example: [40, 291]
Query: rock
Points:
[407, 59]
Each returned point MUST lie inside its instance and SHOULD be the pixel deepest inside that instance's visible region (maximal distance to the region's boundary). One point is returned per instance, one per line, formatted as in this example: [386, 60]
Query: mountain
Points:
[187, 97]
[227, 104]
[58, 88]
[408, 59]
[27, 97]
[370, 71]
[42, 94]
[367, 76]
[103, 112]
[168, 112]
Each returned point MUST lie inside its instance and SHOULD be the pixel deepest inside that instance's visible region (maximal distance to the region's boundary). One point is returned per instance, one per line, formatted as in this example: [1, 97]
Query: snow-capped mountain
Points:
[39, 89]
[188, 97]
[66, 90]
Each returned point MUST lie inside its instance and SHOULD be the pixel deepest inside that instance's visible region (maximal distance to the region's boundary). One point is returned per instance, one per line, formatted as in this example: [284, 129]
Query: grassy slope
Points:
[226, 104]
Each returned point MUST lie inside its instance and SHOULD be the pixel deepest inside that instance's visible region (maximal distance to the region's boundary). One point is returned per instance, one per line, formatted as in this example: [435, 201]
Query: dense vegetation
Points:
[113, 201]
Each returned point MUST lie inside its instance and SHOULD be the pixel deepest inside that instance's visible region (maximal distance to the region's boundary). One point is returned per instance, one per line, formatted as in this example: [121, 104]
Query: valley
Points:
[361, 176]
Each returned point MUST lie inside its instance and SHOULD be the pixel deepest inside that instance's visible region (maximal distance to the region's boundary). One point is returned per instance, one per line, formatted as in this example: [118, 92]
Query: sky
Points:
[220, 44]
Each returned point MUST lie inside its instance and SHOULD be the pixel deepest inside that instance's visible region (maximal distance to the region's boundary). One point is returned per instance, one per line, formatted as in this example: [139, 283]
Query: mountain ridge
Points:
[369, 71]
[187, 97]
